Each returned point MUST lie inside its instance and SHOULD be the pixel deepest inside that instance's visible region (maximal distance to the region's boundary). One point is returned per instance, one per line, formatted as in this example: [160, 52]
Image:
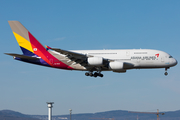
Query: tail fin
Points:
[27, 42]
[22, 37]
[29, 45]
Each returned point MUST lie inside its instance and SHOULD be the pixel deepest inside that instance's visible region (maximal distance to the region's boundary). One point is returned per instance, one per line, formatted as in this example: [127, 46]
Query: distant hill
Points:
[12, 115]
[116, 115]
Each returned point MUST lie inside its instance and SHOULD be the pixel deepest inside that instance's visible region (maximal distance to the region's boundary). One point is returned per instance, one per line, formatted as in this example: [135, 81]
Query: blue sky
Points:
[91, 24]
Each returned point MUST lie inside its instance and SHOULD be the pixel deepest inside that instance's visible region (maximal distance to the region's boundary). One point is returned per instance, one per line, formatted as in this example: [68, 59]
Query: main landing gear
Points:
[166, 73]
[94, 75]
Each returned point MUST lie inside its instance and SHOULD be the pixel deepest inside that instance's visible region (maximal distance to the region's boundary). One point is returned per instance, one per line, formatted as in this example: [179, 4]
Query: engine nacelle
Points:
[95, 61]
[116, 65]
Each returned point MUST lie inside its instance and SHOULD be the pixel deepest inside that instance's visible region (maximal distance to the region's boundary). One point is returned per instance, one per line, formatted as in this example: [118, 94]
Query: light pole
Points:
[70, 111]
[50, 109]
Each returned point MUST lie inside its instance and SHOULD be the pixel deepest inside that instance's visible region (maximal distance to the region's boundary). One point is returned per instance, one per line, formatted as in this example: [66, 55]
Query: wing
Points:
[79, 58]
[70, 54]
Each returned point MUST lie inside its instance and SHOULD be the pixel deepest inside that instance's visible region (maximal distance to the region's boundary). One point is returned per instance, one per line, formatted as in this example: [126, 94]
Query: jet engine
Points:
[116, 65]
[95, 61]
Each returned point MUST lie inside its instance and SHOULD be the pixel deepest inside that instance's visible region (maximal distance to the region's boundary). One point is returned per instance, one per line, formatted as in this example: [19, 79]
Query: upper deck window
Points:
[102, 53]
[170, 57]
[140, 52]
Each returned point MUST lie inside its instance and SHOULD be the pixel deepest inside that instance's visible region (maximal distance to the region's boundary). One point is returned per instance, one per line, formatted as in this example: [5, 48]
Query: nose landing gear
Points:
[166, 73]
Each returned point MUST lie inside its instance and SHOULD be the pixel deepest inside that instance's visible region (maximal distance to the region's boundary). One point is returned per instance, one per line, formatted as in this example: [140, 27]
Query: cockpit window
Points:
[170, 57]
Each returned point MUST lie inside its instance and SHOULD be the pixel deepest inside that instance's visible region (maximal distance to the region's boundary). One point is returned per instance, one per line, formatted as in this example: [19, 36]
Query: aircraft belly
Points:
[150, 65]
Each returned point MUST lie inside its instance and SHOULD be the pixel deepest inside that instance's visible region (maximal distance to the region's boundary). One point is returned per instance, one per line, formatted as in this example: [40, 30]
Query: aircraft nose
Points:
[175, 62]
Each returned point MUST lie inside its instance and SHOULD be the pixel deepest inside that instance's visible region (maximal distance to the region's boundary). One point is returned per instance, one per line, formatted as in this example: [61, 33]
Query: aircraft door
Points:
[128, 55]
[51, 61]
[162, 59]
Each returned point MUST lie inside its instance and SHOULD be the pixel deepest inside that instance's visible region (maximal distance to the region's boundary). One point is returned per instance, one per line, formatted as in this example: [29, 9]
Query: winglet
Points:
[47, 47]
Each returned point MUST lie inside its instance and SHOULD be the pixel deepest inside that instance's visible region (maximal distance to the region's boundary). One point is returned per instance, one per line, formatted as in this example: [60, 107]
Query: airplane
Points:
[92, 61]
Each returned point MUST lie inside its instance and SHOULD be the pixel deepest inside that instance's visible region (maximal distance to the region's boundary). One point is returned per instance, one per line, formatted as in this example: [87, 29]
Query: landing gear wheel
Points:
[101, 75]
[95, 74]
[87, 74]
[166, 73]
[91, 74]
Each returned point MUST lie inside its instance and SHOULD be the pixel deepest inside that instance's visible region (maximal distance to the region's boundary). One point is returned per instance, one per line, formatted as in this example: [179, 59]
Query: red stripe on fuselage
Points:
[40, 51]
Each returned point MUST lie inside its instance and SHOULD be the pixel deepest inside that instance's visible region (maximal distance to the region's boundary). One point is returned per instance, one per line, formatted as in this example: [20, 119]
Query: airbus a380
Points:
[92, 61]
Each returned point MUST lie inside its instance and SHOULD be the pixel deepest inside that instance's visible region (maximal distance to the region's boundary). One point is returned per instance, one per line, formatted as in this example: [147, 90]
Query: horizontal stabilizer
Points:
[22, 56]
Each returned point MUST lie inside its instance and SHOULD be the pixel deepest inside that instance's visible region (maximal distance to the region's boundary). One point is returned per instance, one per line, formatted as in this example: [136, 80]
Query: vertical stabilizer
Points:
[22, 36]
[32, 48]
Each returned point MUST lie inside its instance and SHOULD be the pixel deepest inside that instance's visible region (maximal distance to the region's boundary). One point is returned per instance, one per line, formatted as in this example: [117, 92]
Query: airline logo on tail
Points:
[30, 46]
